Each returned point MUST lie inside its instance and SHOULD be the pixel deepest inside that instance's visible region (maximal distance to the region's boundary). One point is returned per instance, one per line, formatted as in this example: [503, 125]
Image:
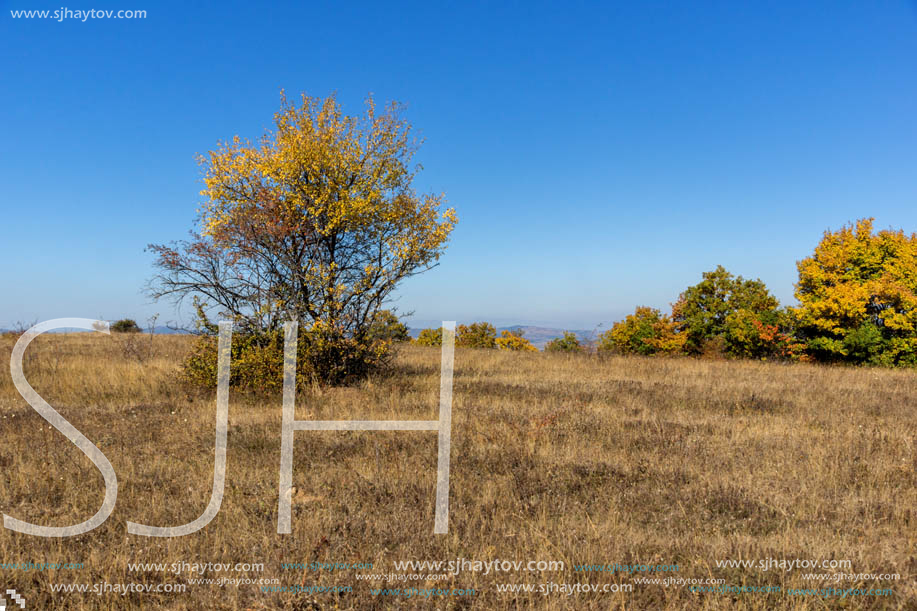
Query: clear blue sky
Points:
[600, 156]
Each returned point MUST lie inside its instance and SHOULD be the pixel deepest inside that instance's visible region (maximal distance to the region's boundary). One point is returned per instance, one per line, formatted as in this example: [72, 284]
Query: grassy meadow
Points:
[571, 458]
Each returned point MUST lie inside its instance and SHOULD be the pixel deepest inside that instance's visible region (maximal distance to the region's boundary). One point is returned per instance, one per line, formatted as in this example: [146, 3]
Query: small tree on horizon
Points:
[387, 326]
[125, 325]
[568, 343]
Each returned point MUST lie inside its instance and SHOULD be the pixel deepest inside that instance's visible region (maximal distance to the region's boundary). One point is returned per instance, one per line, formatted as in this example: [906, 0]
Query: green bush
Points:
[125, 325]
[386, 327]
[866, 344]
[567, 343]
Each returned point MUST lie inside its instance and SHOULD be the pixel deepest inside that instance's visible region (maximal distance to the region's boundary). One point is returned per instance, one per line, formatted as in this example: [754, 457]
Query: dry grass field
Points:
[577, 459]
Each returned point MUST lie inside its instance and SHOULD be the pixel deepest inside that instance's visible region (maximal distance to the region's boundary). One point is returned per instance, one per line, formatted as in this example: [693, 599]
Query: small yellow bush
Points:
[509, 340]
[430, 337]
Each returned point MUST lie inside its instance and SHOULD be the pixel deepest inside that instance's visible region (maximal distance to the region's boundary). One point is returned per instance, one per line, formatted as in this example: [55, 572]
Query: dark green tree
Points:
[125, 325]
[386, 327]
[567, 343]
[702, 311]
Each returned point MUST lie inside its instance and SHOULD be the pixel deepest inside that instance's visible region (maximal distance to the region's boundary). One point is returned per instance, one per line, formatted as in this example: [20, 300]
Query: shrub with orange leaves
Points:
[762, 335]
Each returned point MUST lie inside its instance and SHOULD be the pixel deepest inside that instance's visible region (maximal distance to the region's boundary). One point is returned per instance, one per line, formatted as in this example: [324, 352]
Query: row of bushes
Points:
[723, 315]
[857, 297]
[478, 335]
[324, 356]
[484, 335]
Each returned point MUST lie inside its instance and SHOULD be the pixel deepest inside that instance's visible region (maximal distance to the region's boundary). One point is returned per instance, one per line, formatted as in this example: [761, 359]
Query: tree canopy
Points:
[702, 310]
[125, 325]
[568, 343]
[317, 223]
[858, 296]
[386, 326]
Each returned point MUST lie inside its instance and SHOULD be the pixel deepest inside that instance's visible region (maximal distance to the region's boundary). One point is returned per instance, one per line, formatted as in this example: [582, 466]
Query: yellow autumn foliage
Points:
[510, 340]
[646, 331]
[858, 296]
[317, 222]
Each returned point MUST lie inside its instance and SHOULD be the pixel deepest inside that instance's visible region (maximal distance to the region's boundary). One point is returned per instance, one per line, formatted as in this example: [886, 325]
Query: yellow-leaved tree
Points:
[858, 296]
[318, 223]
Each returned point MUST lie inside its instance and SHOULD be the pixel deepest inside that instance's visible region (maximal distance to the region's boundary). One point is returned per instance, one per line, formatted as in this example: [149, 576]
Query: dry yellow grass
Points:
[579, 459]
